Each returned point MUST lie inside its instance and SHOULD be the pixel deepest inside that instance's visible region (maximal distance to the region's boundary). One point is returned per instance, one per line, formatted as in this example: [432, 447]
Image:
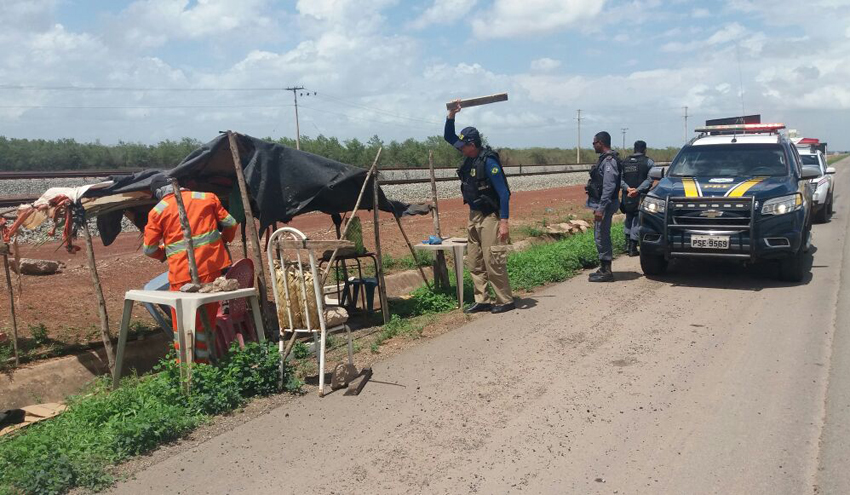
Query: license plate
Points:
[710, 241]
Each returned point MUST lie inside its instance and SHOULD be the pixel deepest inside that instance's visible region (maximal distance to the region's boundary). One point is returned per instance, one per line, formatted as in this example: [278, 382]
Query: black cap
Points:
[468, 135]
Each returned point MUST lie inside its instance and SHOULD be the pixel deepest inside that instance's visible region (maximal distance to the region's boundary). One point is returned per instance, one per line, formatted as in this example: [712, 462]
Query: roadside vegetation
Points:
[102, 427]
[68, 154]
[835, 158]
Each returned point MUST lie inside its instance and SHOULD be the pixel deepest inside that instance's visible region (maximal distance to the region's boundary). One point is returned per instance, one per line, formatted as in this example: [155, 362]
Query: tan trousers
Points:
[486, 258]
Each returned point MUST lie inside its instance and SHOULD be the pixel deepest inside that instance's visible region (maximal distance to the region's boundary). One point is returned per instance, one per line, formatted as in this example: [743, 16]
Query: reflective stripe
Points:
[149, 250]
[160, 207]
[741, 189]
[198, 195]
[197, 241]
[691, 190]
[228, 222]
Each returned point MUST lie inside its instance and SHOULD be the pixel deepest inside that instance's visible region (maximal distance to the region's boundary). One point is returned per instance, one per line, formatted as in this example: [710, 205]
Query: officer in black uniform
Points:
[603, 198]
[485, 190]
[634, 184]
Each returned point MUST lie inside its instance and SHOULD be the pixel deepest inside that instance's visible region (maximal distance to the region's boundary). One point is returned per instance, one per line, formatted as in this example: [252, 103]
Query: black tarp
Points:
[282, 182]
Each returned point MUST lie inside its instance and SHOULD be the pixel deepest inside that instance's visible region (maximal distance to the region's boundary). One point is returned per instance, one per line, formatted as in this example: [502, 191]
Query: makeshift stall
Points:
[255, 179]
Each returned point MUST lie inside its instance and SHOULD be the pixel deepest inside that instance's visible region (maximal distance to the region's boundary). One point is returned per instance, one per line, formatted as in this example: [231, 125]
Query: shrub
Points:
[102, 427]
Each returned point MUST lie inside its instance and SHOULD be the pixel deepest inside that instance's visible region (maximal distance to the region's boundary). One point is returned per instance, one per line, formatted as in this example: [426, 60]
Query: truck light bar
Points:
[742, 128]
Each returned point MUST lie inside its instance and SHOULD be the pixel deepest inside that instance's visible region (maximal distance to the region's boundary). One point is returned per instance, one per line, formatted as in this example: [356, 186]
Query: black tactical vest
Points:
[633, 171]
[597, 177]
[475, 184]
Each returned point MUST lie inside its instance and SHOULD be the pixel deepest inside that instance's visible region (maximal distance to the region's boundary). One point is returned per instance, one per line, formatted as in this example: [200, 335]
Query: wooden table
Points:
[457, 248]
[186, 305]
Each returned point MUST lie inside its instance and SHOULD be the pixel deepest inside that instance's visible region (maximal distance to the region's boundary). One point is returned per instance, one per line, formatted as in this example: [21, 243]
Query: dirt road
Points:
[712, 380]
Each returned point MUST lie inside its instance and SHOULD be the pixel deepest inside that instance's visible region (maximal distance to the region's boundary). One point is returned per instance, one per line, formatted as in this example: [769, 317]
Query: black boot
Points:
[604, 274]
[633, 248]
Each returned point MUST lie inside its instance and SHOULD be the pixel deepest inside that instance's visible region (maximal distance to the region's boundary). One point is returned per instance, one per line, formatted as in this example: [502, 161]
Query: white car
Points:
[823, 185]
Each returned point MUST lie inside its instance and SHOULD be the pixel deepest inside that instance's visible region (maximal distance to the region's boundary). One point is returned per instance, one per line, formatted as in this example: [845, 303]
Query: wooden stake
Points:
[101, 302]
[412, 251]
[196, 279]
[382, 288]
[12, 304]
[256, 249]
[441, 271]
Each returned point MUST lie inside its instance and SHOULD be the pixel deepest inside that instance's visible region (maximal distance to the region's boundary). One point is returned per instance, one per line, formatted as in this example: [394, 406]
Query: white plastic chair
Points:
[286, 245]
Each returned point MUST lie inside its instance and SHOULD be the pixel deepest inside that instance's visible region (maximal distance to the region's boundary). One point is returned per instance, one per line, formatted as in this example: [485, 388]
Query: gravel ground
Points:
[403, 192]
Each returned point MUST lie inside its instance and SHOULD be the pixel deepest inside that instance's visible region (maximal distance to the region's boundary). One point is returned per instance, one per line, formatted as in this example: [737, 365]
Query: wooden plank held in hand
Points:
[481, 100]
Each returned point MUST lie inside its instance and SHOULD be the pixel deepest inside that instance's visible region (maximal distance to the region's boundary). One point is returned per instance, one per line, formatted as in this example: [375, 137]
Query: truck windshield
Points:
[730, 160]
[809, 159]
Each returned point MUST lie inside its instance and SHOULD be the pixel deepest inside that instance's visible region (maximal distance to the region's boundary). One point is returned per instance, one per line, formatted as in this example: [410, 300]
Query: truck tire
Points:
[830, 210]
[652, 264]
[822, 215]
[792, 268]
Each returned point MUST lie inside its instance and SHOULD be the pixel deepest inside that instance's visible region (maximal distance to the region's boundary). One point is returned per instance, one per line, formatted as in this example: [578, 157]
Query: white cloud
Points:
[730, 32]
[524, 18]
[700, 13]
[545, 64]
[443, 11]
[152, 23]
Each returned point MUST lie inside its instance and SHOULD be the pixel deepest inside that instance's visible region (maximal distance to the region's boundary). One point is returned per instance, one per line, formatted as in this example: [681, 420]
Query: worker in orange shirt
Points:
[211, 227]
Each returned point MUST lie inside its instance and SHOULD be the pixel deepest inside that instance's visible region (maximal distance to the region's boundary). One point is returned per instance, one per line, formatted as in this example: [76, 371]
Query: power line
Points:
[134, 107]
[378, 110]
[125, 88]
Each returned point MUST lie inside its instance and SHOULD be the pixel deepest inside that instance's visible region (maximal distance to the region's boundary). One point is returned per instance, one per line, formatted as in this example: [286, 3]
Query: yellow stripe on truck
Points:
[742, 188]
[691, 190]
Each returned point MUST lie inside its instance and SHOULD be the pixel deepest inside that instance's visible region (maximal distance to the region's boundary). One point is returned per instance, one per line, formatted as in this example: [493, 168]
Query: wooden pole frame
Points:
[5, 248]
[196, 279]
[262, 275]
[101, 301]
[441, 271]
[382, 287]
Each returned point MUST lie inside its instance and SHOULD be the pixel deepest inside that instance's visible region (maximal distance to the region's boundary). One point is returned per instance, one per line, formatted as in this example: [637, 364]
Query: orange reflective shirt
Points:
[211, 227]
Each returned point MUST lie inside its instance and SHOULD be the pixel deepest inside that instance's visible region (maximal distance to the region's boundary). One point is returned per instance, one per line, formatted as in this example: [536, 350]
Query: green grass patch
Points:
[536, 266]
[103, 427]
[835, 158]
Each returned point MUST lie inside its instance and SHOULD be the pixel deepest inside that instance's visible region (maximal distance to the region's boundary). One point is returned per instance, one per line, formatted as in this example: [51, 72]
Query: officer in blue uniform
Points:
[634, 183]
[485, 190]
[603, 198]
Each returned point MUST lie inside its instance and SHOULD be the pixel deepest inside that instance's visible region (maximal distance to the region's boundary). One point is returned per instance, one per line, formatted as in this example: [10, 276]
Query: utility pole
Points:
[295, 90]
[685, 135]
[624, 129]
[578, 140]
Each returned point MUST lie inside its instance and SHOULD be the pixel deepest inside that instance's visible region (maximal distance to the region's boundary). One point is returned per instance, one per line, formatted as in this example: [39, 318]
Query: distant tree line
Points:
[68, 154]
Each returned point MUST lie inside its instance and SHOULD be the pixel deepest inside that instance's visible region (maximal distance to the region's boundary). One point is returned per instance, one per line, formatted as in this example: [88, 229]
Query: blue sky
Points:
[149, 70]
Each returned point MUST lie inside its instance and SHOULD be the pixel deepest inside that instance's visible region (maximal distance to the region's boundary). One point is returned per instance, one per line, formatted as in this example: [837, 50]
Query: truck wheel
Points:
[652, 264]
[829, 204]
[822, 215]
[792, 268]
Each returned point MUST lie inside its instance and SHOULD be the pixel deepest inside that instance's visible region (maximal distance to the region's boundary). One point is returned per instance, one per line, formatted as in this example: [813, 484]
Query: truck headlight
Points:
[782, 204]
[653, 205]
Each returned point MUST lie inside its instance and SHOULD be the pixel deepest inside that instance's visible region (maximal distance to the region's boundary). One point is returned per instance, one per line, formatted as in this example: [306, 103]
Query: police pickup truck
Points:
[735, 192]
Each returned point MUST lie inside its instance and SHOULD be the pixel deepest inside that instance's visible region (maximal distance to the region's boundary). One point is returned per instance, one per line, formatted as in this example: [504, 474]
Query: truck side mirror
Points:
[656, 173]
[830, 170]
[809, 173]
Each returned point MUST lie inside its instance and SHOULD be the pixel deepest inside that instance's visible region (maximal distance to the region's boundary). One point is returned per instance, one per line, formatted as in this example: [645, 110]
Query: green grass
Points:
[536, 266]
[103, 427]
[835, 158]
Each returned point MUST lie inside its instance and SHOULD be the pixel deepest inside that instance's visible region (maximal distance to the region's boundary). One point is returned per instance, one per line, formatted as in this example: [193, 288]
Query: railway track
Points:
[510, 171]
